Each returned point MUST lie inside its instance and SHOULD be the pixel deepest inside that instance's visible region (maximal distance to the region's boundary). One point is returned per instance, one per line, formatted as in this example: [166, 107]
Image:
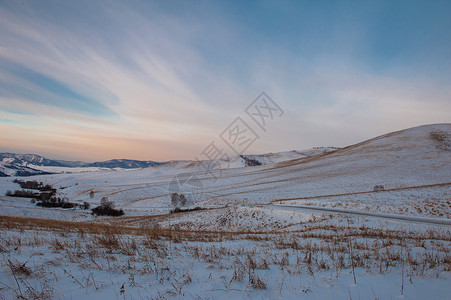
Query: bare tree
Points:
[182, 199]
[105, 203]
[174, 199]
[178, 199]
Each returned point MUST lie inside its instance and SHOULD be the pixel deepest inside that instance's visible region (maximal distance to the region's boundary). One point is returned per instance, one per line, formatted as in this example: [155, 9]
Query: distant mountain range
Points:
[12, 164]
[124, 164]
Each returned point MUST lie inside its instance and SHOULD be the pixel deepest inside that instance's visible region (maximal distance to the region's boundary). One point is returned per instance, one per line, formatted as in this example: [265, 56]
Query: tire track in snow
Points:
[434, 221]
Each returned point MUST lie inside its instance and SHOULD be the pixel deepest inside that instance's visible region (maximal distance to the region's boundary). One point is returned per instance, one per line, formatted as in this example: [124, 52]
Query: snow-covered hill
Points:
[12, 164]
[312, 212]
[403, 160]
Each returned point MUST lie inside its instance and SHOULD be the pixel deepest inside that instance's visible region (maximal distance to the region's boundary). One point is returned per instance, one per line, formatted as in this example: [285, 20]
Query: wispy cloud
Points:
[160, 81]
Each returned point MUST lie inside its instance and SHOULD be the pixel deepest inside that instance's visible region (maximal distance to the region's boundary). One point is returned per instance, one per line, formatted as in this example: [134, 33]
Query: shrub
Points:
[24, 193]
[439, 136]
[56, 202]
[177, 199]
[105, 211]
[378, 188]
[106, 208]
[34, 185]
[250, 162]
[174, 199]
[104, 202]
[182, 199]
[179, 210]
[46, 191]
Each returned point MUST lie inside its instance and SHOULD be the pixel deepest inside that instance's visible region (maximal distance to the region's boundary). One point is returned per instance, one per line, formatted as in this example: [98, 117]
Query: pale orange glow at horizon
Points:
[92, 147]
[95, 82]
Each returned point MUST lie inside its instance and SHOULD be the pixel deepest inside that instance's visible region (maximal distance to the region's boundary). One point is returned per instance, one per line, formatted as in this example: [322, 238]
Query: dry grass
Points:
[317, 247]
[441, 139]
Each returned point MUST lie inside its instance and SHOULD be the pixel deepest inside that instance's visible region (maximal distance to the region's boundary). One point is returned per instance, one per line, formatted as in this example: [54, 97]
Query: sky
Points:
[161, 80]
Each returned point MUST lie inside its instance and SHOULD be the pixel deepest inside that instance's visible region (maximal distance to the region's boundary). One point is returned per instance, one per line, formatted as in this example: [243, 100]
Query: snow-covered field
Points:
[325, 259]
[300, 224]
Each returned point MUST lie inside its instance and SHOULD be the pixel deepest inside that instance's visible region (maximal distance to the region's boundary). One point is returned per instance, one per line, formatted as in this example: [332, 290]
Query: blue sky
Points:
[160, 80]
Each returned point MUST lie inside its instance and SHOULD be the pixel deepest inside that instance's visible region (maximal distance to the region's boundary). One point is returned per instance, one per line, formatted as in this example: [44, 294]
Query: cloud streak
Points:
[150, 81]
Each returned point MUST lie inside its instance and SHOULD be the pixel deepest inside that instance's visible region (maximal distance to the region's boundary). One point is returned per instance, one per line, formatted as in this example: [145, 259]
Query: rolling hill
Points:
[412, 165]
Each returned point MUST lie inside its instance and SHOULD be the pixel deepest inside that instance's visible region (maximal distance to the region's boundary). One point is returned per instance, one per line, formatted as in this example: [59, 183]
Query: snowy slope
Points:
[12, 164]
[409, 158]
[254, 223]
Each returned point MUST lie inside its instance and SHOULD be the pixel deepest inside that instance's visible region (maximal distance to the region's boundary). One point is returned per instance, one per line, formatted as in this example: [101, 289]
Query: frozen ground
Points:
[412, 166]
[318, 261]
[431, 201]
[251, 238]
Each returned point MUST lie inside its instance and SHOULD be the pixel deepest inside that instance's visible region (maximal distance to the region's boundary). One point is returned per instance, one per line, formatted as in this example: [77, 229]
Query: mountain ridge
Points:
[16, 164]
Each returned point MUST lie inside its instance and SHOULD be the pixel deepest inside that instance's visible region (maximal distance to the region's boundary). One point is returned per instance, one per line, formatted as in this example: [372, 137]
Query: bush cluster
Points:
[23, 193]
[378, 188]
[56, 202]
[106, 208]
[46, 191]
[250, 162]
[34, 185]
[179, 210]
[178, 199]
